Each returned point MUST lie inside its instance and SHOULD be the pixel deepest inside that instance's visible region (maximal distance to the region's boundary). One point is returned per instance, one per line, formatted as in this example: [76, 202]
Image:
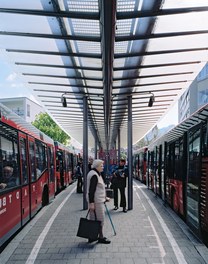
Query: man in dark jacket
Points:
[119, 182]
[79, 176]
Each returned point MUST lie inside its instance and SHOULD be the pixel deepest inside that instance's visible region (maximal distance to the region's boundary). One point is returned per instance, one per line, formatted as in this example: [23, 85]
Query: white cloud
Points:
[11, 77]
[17, 85]
[13, 85]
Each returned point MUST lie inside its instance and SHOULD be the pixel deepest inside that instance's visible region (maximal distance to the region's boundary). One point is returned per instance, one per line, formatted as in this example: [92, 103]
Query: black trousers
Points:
[79, 184]
[123, 196]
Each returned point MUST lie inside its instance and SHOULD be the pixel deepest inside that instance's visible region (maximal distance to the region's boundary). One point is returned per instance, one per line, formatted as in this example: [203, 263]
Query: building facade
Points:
[23, 107]
[195, 96]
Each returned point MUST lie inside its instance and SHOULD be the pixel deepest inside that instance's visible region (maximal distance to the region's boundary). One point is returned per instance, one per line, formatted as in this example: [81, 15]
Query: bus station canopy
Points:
[105, 51]
[198, 118]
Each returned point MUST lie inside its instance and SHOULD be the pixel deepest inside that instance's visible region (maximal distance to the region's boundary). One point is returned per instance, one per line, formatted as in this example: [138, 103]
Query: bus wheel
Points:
[45, 196]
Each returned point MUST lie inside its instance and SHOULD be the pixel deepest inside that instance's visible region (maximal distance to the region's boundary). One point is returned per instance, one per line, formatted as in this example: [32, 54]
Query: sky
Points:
[12, 86]
[171, 118]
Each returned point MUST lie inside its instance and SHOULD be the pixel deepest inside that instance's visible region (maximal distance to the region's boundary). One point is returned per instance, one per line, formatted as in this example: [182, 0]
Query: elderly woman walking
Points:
[96, 196]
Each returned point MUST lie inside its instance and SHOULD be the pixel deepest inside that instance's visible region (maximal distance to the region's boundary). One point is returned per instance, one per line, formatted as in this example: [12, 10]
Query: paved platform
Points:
[149, 234]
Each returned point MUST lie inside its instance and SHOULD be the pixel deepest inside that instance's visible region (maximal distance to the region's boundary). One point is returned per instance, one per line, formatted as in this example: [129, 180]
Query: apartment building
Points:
[195, 96]
[24, 107]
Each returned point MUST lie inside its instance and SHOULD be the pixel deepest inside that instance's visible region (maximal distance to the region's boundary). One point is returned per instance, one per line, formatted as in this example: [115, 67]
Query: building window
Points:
[28, 110]
[187, 98]
[18, 111]
[202, 97]
[203, 73]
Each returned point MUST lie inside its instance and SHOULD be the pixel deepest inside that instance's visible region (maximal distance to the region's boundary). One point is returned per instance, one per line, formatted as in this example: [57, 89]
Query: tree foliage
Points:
[46, 124]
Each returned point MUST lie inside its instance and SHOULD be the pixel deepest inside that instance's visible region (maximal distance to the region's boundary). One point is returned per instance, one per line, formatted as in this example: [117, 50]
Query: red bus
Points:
[178, 171]
[27, 172]
[140, 164]
[64, 166]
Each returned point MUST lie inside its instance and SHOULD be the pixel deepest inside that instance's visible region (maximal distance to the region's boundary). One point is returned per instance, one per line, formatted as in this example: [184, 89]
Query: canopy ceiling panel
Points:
[106, 50]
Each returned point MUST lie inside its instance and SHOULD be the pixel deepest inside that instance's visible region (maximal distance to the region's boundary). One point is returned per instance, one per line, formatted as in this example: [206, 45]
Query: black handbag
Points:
[89, 228]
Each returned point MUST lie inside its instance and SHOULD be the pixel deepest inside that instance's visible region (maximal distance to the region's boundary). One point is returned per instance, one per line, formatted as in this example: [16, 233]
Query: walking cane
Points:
[110, 219]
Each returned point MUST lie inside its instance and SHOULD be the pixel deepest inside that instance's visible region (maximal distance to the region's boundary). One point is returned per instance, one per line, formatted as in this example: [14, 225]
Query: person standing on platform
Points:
[96, 197]
[79, 176]
[114, 187]
[119, 182]
[90, 164]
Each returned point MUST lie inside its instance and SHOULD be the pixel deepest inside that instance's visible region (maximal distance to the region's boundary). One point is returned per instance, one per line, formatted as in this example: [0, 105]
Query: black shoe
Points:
[124, 210]
[104, 240]
[115, 208]
[91, 240]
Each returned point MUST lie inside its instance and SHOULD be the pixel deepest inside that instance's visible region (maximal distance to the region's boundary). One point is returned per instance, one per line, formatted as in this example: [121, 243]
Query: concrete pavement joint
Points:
[178, 253]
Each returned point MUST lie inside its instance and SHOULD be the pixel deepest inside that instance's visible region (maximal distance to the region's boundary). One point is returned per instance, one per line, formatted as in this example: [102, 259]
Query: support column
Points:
[115, 161]
[85, 151]
[119, 146]
[96, 143]
[130, 161]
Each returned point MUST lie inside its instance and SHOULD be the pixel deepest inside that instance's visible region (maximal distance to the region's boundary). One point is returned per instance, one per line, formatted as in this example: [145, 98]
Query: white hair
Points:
[96, 163]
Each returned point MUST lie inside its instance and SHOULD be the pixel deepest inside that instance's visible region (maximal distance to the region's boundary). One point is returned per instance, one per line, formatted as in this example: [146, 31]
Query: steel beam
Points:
[130, 161]
[85, 151]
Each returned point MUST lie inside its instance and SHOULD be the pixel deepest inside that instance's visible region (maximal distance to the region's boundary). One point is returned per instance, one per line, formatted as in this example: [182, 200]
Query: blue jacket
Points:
[120, 174]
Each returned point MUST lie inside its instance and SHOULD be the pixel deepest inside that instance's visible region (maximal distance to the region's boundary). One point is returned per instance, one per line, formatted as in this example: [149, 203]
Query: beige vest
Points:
[100, 194]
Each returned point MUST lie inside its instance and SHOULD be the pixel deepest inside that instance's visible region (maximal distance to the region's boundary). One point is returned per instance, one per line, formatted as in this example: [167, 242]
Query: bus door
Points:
[63, 170]
[67, 168]
[204, 186]
[159, 172]
[177, 176]
[59, 170]
[24, 178]
[155, 170]
[158, 166]
[10, 191]
[51, 164]
[148, 169]
[164, 169]
[33, 176]
[193, 180]
[152, 170]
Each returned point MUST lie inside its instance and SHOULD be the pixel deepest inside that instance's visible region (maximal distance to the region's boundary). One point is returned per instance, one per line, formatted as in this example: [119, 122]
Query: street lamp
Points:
[151, 100]
[63, 101]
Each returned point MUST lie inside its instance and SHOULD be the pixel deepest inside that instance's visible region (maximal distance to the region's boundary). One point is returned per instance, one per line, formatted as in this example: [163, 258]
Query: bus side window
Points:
[32, 160]
[10, 176]
[41, 158]
[23, 160]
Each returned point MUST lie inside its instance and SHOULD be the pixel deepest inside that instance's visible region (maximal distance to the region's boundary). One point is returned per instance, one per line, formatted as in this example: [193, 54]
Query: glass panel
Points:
[51, 164]
[9, 166]
[182, 4]
[193, 180]
[40, 158]
[23, 161]
[64, 52]
[163, 185]
[32, 160]
[82, 5]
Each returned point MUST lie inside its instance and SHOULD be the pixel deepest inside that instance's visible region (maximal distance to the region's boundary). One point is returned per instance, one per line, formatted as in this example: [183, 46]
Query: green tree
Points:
[46, 124]
[141, 143]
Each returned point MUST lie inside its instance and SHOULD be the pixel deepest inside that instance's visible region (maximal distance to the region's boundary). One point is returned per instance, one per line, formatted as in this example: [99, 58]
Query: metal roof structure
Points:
[197, 118]
[105, 51]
